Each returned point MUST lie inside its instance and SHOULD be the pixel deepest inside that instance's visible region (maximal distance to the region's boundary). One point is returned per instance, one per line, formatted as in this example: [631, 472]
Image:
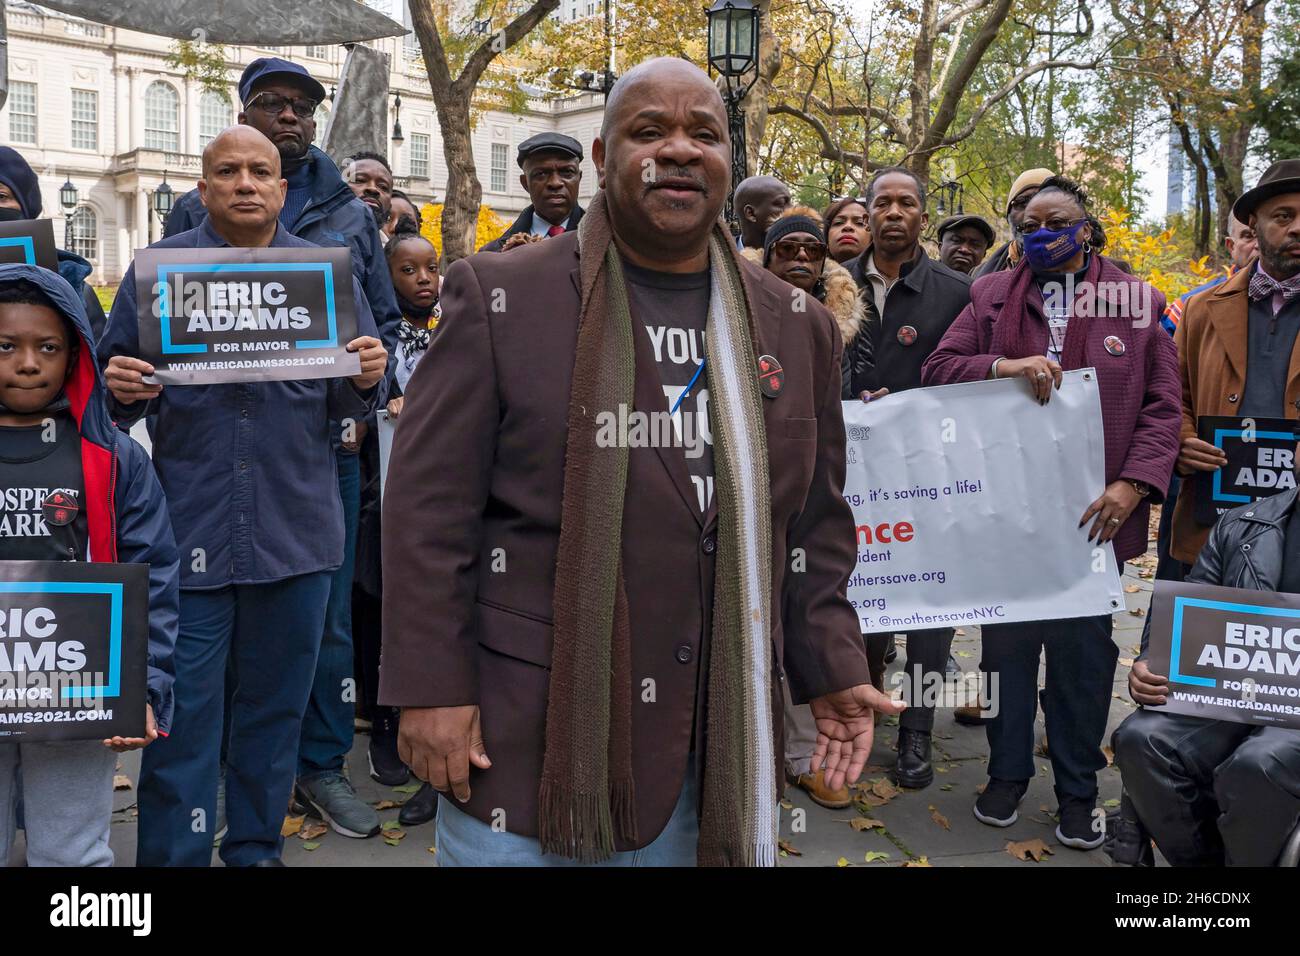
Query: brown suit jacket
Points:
[472, 518]
[1211, 341]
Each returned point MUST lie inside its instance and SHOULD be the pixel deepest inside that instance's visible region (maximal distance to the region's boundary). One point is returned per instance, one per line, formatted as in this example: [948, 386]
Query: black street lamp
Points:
[733, 52]
[952, 191]
[397, 136]
[68, 199]
[163, 199]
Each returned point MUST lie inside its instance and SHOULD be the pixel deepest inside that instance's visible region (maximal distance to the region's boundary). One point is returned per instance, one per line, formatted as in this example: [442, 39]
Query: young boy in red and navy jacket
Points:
[48, 375]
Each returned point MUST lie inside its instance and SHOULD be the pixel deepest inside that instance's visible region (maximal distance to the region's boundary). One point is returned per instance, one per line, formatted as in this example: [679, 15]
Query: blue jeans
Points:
[463, 840]
[273, 632]
[327, 725]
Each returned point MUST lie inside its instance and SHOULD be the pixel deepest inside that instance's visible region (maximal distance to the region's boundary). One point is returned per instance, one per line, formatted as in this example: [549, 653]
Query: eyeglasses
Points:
[789, 249]
[1056, 225]
[273, 104]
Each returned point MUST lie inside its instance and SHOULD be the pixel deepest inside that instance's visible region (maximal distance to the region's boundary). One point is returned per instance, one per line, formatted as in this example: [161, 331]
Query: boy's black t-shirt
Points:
[36, 461]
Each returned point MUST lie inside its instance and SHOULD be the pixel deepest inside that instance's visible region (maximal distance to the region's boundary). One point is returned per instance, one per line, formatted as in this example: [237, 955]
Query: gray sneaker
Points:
[331, 797]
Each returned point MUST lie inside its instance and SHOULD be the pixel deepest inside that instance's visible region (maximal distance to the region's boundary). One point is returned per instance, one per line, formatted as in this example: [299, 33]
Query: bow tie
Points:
[412, 338]
[1263, 286]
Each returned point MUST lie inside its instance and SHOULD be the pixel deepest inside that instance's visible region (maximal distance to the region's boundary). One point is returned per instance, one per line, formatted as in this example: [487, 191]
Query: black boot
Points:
[913, 770]
[421, 808]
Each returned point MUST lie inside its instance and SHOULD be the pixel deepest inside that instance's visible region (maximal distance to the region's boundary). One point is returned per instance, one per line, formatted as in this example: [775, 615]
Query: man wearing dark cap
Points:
[1022, 190]
[552, 173]
[20, 198]
[280, 100]
[964, 242]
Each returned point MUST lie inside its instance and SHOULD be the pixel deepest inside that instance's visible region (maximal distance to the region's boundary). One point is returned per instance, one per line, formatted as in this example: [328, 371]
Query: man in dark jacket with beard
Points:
[910, 301]
[280, 99]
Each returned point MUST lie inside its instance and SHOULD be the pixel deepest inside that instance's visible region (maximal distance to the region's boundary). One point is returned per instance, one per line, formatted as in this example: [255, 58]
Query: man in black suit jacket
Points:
[552, 173]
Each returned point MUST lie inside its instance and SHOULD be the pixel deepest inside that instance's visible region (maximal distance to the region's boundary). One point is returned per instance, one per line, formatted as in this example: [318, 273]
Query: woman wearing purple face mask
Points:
[1066, 307]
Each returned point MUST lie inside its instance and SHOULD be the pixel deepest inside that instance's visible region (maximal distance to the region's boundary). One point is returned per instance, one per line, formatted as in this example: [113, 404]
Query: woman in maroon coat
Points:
[1065, 308]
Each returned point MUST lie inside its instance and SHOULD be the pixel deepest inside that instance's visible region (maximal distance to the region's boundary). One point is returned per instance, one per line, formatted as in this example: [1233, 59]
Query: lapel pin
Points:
[771, 377]
[60, 508]
[1114, 345]
[906, 335]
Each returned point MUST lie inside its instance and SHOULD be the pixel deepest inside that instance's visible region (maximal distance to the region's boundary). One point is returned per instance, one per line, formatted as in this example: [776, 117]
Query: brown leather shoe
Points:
[822, 795]
[972, 716]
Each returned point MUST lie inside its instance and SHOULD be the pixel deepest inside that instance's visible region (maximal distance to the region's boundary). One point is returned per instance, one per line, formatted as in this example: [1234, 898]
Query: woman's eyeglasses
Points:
[789, 249]
[273, 104]
[1055, 225]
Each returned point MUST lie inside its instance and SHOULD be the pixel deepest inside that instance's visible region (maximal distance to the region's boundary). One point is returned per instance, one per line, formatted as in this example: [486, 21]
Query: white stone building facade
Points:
[102, 108]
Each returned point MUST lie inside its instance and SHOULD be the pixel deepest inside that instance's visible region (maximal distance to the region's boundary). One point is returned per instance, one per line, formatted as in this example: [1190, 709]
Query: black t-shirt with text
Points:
[36, 462]
[673, 308]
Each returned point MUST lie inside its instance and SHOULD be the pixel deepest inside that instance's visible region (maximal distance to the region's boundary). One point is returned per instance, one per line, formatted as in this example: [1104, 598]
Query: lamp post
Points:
[733, 52]
[161, 202]
[68, 199]
[397, 136]
[952, 191]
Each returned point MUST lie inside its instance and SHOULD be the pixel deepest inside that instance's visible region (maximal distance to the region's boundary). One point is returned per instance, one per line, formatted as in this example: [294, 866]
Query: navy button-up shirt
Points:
[248, 470]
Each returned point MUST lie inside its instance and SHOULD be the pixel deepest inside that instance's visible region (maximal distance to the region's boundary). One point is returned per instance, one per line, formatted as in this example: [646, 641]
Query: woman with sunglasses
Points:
[846, 227]
[794, 249]
[1063, 307]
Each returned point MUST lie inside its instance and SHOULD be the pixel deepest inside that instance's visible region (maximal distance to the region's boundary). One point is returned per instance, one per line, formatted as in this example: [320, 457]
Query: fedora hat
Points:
[1282, 177]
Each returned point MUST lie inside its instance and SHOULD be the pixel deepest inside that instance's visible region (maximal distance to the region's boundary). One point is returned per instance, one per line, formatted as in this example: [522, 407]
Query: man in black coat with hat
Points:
[552, 173]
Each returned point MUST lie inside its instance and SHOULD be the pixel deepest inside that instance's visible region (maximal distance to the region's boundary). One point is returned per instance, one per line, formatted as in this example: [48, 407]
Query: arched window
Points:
[214, 115]
[162, 117]
[85, 233]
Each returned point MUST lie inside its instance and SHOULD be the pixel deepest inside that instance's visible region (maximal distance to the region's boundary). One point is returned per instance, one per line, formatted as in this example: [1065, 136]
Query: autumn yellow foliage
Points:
[489, 225]
[1156, 257]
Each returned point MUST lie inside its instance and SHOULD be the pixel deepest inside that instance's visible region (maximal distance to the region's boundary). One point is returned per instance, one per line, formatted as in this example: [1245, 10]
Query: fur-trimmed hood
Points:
[842, 298]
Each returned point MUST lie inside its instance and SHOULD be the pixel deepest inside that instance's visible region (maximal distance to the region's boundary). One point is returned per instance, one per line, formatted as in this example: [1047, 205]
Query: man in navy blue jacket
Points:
[248, 473]
[279, 99]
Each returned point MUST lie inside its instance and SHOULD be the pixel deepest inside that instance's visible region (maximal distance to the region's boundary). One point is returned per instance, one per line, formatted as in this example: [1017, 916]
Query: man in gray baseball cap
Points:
[552, 173]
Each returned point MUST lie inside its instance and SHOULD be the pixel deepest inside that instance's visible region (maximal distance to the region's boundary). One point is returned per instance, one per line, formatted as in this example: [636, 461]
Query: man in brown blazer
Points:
[474, 645]
[1238, 349]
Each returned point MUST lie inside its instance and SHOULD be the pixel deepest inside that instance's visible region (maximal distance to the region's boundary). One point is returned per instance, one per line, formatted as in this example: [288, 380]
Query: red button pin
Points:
[771, 377]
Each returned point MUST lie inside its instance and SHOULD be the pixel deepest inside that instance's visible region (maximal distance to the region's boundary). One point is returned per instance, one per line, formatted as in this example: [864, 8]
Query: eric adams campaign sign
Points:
[246, 315]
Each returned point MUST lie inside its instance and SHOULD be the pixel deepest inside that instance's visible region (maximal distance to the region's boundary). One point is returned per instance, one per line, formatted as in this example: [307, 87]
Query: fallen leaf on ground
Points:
[788, 847]
[1137, 611]
[1110, 755]
[874, 855]
[866, 823]
[939, 818]
[121, 782]
[312, 830]
[842, 862]
[959, 632]
[407, 788]
[1111, 803]
[387, 805]
[390, 825]
[291, 826]
[885, 790]
[433, 849]
[1034, 849]
[946, 786]
[1131, 589]
[921, 861]
[309, 845]
[1126, 661]
[787, 805]
[869, 801]
[963, 654]
[980, 788]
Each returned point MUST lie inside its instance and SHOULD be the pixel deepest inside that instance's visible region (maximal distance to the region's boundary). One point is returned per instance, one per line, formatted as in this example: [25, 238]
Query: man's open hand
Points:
[374, 360]
[439, 744]
[846, 723]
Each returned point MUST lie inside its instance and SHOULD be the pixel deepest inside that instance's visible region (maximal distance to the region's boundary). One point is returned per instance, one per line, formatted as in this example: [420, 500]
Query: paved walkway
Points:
[911, 829]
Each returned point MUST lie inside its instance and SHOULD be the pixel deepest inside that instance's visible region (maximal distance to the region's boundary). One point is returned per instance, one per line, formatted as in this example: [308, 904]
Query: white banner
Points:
[967, 501]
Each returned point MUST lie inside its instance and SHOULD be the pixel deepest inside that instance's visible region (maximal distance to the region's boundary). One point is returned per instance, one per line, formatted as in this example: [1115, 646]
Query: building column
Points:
[122, 110]
[190, 118]
[137, 110]
[124, 246]
[141, 219]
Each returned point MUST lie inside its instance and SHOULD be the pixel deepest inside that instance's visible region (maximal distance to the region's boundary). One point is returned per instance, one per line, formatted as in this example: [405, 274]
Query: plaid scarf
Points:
[587, 798]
